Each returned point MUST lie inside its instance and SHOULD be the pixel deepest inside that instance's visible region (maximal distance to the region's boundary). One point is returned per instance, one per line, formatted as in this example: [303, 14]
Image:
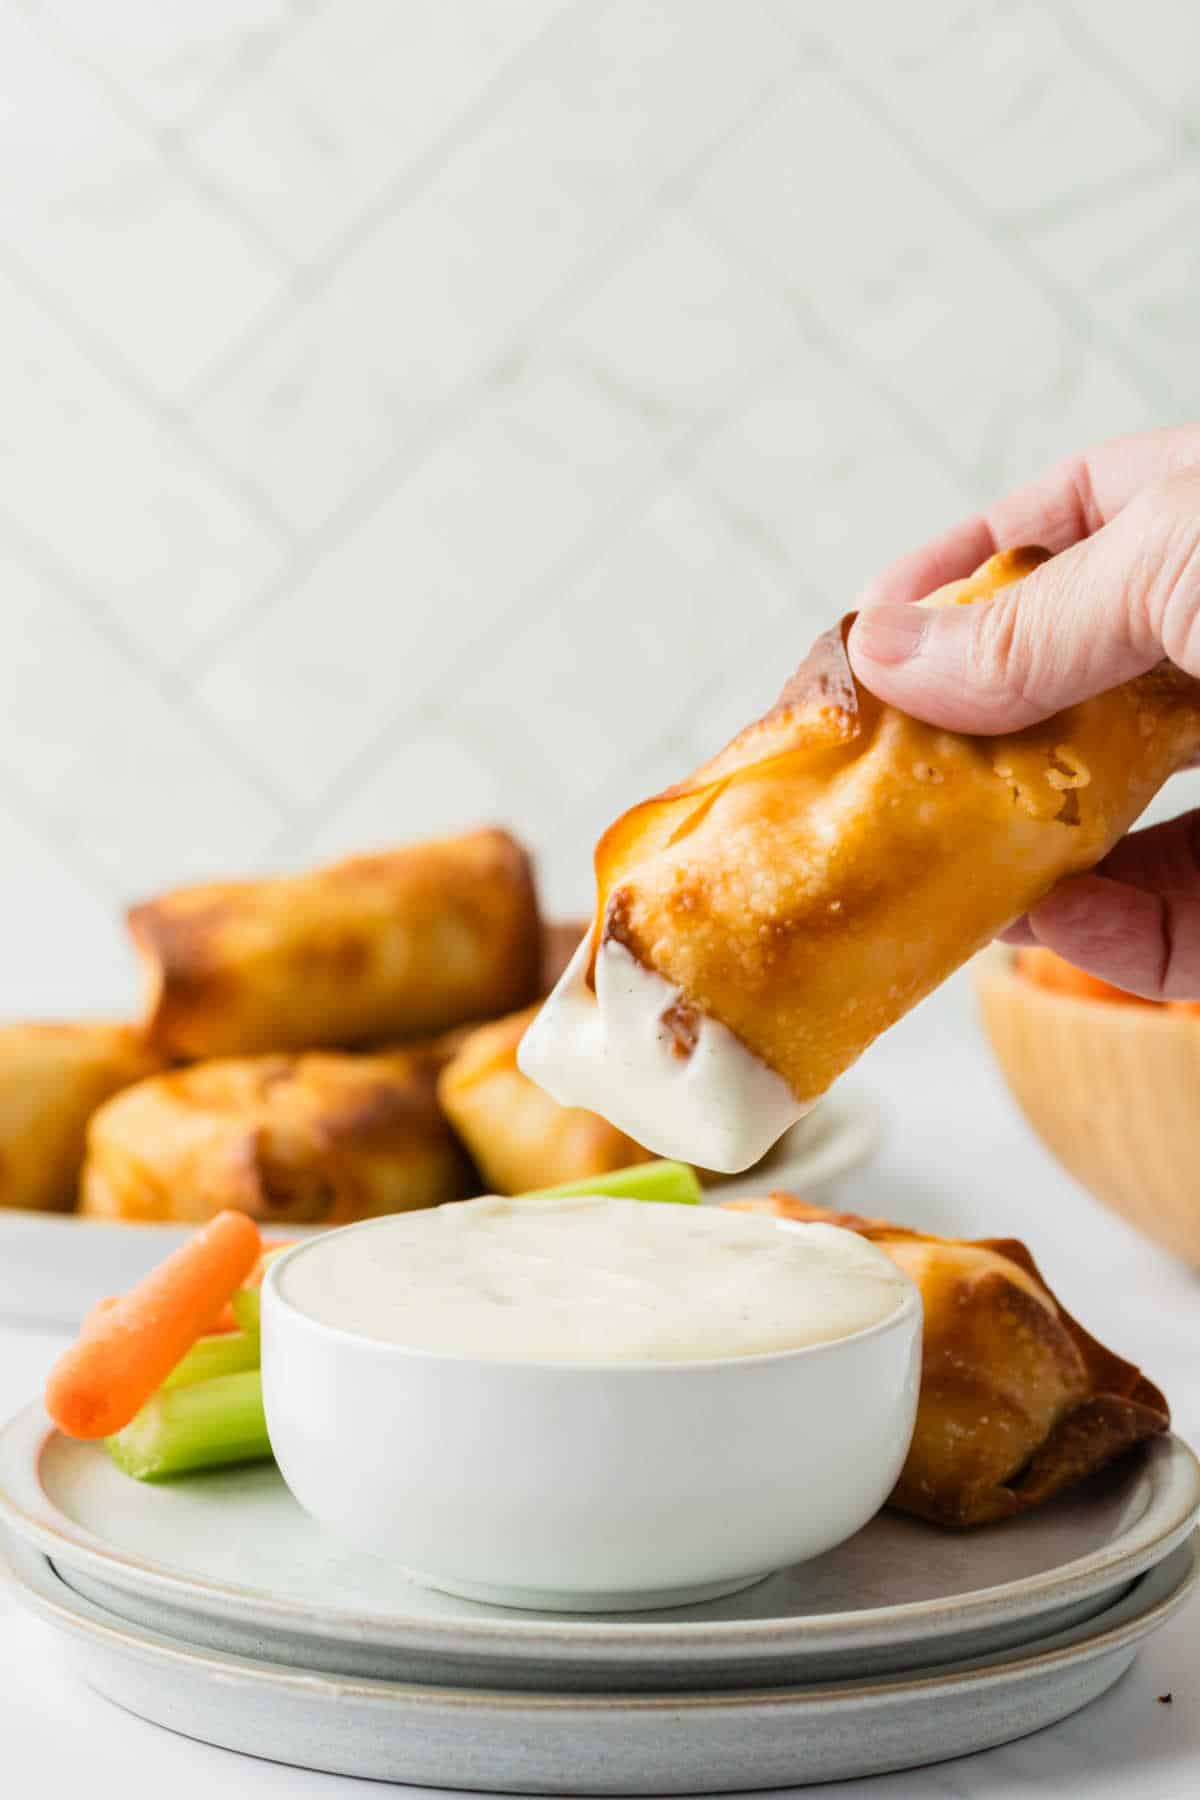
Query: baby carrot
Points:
[125, 1351]
[226, 1319]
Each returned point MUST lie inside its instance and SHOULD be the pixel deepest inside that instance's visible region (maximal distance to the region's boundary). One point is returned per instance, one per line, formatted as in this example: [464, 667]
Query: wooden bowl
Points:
[1112, 1090]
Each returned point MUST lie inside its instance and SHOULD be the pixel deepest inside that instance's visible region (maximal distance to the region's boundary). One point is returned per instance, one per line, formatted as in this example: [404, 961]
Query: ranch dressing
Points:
[613, 1052]
[593, 1280]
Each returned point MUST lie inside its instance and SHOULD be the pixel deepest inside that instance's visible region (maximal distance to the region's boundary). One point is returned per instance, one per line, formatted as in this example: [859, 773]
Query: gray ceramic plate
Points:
[53, 1266]
[615, 1743]
[181, 1557]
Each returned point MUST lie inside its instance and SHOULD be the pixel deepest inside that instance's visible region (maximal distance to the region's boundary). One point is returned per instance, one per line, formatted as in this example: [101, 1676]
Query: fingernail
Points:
[890, 634]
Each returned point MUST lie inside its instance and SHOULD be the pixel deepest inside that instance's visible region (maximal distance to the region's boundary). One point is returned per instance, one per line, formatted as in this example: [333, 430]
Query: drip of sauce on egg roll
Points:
[629, 1046]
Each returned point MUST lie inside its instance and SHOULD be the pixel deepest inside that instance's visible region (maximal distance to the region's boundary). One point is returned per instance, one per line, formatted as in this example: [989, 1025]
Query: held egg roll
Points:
[518, 1136]
[759, 924]
[319, 1139]
[52, 1078]
[394, 945]
[1017, 1401]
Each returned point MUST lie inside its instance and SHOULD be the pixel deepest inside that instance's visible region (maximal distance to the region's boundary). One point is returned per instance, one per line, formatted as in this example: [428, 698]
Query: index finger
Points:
[1057, 509]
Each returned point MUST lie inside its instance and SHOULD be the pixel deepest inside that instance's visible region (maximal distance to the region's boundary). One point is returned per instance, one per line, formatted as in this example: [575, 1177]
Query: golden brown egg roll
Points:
[518, 1136]
[832, 865]
[1017, 1401]
[316, 1139]
[52, 1078]
[395, 945]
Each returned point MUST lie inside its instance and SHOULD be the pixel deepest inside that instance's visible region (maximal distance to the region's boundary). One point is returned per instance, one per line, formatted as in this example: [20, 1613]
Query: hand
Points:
[1123, 593]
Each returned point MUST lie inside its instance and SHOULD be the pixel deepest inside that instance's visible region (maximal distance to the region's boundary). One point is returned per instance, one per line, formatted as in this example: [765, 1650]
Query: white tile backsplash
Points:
[610, 666]
[1152, 49]
[171, 59]
[999, 100]
[1139, 276]
[122, 770]
[352, 99]
[108, 224]
[678, 328]
[64, 952]
[434, 579]
[120, 500]
[417, 413]
[825, 479]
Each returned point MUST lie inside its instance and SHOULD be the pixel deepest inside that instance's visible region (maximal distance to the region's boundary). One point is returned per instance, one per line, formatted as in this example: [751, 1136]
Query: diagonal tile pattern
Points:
[419, 412]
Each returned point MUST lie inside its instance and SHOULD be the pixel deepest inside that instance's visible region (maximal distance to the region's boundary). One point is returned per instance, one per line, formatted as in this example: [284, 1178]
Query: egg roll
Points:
[52, 1078]
[1017, 1401]
[518, 1137]
[394, 945]
[315, 1139]
[760, 923]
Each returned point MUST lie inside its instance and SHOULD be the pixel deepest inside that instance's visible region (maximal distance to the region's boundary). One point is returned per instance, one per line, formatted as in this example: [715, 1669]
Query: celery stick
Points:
[246, 1307]
[674, 1182]
[202, 1426]
[222, 1353]
[247, 1310]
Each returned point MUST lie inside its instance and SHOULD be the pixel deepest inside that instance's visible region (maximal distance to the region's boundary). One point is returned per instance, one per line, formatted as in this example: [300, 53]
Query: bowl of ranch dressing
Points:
[589, 1404]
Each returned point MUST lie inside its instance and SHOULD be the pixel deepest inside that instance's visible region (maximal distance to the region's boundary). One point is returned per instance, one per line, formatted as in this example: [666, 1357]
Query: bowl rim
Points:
[996, 966]
[909, 1310]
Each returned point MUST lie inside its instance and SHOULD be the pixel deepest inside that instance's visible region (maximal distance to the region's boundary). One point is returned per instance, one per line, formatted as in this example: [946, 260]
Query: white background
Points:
[414, 411]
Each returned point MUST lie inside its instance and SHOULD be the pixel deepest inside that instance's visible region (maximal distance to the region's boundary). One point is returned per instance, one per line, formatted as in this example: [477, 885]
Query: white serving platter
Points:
[602, 1743]
[55, 1266]
[228, 1560]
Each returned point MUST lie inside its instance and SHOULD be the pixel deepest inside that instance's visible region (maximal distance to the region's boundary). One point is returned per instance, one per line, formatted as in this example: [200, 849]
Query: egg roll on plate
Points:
[380, 947]
[518, 1136]
[316, 1139]
[52, 1078]
[759, 924]
[1017, 1402]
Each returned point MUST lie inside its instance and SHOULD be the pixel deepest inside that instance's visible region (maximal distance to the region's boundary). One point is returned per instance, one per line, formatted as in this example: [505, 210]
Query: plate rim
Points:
[855, 1126]
[1154, 1598]
[31, 1514]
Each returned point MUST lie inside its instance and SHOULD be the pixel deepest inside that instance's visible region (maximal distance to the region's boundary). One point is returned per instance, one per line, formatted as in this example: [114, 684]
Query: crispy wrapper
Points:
[838, 859]
[52, 1078]
[518, 1136]
[396, 945]
[1017, 1402]
[317, 1139]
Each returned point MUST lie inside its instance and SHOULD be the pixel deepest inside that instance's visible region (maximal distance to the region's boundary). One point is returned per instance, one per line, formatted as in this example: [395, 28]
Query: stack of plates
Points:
[215, 1607]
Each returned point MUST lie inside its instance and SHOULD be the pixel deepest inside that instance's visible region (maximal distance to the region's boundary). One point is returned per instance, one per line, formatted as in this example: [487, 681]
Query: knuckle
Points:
[1003, 661]
[1170, 513]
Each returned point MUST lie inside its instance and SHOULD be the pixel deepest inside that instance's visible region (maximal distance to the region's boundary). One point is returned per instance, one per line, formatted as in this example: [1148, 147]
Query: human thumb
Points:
[1105, 610]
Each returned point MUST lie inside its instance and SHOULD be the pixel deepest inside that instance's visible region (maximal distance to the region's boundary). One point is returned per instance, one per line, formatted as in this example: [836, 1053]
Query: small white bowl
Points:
[586, 1487]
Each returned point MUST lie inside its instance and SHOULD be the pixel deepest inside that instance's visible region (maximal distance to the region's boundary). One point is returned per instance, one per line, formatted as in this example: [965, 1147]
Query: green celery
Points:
[203, 1426]
[673, 1182]
[222, 1353]
[247, 1308]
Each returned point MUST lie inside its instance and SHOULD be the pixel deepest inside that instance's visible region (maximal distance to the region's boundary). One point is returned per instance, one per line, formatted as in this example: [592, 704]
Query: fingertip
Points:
[914, 659]
[887, 635]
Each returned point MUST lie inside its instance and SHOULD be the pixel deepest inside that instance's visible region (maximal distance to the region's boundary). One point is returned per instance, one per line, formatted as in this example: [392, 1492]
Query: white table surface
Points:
[957, 1158]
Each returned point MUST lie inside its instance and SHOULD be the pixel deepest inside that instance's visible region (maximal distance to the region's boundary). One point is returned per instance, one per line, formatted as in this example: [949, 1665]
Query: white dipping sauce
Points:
[613, 1052]
[593, 1280]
